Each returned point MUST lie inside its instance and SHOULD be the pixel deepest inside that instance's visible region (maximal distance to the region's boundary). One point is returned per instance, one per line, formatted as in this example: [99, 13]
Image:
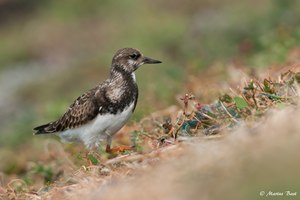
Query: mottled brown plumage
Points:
[111, 98]
[81, 111]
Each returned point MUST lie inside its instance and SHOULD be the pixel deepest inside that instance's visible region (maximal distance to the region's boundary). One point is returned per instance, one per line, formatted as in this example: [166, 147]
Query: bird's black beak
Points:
[147, 60]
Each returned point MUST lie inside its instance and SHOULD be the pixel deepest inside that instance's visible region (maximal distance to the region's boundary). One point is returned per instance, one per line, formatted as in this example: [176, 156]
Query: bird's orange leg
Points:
[118, 149]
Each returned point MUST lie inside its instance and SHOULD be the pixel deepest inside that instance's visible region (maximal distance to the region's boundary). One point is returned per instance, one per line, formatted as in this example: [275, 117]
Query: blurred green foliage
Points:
[199, 32]
[45, 171]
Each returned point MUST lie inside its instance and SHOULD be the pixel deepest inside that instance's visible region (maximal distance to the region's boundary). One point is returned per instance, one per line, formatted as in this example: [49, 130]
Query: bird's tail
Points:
[44, 129]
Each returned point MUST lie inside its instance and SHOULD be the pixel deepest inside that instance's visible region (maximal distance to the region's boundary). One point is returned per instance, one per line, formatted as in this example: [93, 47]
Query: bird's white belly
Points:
[99, 129]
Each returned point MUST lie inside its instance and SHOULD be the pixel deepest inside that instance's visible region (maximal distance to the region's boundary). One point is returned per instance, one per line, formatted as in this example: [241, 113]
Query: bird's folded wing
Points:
[83, 110]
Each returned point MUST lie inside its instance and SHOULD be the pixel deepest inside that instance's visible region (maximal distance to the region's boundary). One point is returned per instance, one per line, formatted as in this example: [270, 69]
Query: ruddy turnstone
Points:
[101, 112]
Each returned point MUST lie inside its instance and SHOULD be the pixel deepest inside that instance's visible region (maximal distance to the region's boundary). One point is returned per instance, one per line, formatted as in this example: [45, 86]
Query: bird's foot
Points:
[118, 149]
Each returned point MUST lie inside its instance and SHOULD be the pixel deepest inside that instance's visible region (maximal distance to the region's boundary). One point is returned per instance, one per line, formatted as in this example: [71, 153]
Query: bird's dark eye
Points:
[134, 56]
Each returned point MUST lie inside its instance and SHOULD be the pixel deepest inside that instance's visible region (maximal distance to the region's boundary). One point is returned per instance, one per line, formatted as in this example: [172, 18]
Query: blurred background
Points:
[53, 51]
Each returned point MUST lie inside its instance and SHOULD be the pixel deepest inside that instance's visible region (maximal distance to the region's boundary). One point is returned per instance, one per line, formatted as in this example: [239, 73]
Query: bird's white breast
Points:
[99, 129]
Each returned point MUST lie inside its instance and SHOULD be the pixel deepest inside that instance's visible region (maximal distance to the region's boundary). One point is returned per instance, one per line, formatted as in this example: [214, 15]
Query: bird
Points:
[98, 114]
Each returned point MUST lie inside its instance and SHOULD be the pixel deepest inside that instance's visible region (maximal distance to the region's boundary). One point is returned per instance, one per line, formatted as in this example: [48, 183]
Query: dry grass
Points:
[248, 154]
[239, 166]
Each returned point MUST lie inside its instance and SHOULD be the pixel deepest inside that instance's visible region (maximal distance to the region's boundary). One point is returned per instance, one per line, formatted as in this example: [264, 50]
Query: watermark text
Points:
[277, 193]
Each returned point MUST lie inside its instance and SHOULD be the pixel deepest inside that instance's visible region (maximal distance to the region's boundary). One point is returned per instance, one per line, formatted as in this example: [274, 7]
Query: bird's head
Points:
[129, 59]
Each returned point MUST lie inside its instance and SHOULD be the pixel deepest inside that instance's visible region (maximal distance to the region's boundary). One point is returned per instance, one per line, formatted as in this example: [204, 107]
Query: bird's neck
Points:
[118, 73]
[124, 89]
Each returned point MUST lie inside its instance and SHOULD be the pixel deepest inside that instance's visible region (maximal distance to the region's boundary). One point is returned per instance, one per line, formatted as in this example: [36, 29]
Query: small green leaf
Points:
[267, 87]
[92, 158]
[226, 98]
[250, 86]
[79, 156]
[240, 102]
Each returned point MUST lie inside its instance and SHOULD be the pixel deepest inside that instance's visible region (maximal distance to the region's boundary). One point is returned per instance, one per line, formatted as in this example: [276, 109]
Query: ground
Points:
[230, 149]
